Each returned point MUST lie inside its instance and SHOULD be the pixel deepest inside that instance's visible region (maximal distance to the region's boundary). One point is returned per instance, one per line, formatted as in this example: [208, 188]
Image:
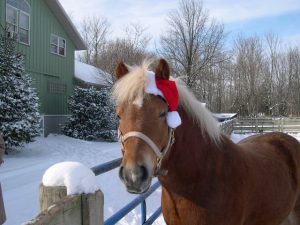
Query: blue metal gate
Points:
[140, 200]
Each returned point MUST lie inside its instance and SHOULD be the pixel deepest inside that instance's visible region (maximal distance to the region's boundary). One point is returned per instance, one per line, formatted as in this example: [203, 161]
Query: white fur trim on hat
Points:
[152, 88]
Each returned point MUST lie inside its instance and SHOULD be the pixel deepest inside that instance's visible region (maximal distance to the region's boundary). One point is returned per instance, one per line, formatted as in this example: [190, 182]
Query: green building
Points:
[48, 40]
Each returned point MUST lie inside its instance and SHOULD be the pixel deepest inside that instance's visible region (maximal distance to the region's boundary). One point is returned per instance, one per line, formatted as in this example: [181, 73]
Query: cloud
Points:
[153, 14]
[150, 14]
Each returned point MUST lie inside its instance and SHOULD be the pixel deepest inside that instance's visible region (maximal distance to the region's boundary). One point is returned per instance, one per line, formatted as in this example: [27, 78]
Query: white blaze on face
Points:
[149, 164]
[139, 101]
[133, 177]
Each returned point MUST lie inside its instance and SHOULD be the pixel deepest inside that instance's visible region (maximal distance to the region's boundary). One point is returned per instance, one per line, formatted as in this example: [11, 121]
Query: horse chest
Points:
[178, 210]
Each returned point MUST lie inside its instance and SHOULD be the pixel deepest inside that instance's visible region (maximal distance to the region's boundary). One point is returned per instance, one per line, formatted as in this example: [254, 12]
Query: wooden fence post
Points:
[59, 209]
[49, 195]
[92, 208]
[2, 210]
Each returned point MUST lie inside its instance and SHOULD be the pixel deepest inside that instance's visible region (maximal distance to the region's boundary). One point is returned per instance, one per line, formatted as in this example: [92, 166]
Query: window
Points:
[24, 28]
[18, 19]
[58, 45]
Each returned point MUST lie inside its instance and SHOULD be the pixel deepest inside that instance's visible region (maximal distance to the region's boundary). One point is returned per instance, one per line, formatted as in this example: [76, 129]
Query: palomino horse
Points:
[206, 178]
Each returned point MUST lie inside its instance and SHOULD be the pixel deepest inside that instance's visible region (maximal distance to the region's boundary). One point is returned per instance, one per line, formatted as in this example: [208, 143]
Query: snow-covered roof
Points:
[224, 116]
[91, 74]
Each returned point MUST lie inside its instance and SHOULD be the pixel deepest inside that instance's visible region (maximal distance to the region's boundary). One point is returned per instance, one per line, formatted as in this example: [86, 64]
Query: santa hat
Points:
[168, 90]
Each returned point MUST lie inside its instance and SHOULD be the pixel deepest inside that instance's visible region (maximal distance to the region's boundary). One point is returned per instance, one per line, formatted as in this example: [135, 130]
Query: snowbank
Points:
[75, 176]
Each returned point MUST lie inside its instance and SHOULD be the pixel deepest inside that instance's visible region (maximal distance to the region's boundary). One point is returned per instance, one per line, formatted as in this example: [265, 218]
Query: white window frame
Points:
[17, 25]
[57, 45]
[11, 24]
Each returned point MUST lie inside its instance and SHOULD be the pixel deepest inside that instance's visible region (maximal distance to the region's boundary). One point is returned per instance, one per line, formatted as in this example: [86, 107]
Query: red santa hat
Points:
[168, 90]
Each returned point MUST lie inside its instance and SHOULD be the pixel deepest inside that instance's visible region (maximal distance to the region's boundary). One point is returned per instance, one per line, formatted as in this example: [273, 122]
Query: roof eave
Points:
[68, 25]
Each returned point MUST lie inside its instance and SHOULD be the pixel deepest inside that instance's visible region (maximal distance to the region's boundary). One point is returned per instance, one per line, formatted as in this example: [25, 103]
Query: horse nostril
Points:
[121, 172]
[144, 173]
[135, 176]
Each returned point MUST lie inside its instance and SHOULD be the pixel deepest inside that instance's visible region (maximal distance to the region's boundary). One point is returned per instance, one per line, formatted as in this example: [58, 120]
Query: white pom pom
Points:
[173, 119]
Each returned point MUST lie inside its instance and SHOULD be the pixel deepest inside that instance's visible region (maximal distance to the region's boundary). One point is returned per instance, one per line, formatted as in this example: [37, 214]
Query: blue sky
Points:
[255, 17]
[286, 26]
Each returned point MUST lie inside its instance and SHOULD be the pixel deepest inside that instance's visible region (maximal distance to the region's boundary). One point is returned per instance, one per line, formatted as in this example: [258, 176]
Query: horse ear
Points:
[121, 70]
[162, 70]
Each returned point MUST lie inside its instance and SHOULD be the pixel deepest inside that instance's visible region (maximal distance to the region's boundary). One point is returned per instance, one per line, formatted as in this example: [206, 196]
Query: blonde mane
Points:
[131, 88]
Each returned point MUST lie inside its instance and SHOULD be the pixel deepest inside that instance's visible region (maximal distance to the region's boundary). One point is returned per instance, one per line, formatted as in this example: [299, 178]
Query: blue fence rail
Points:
[140, 200]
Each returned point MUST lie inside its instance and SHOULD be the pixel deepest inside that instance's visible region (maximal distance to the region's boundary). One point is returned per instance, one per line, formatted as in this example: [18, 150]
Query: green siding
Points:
[2, 11]
[41, 63]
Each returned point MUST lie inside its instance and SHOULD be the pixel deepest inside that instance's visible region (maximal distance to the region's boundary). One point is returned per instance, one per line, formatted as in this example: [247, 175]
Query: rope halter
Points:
[159, 154]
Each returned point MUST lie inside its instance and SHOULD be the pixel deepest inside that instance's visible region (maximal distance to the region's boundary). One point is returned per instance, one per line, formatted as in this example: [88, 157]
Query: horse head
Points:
[143, 129]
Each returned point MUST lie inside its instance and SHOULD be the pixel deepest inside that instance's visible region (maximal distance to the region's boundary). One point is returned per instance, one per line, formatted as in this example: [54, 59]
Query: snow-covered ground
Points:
[22, 173]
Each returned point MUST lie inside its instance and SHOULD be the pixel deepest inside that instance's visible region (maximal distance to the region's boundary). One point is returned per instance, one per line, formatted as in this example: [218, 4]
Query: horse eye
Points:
[163, 114]
[118, 117]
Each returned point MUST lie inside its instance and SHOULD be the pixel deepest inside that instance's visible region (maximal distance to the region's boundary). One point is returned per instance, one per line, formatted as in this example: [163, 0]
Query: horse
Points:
[206, 178]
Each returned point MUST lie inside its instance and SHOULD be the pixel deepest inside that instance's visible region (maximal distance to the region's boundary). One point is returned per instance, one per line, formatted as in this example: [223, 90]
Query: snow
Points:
[91, 74]
[22, 172]
[224, 116]
[76, 177]
[238, 137]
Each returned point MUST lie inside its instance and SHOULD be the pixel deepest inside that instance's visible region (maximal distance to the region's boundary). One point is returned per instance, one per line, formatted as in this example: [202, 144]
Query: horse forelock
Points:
[131, 89]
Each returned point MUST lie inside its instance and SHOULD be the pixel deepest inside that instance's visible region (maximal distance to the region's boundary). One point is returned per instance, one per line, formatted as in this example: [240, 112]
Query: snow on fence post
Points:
[75, 201]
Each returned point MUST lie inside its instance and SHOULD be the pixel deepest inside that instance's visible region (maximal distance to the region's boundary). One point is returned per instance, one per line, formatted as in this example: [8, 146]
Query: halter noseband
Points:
[159, 154]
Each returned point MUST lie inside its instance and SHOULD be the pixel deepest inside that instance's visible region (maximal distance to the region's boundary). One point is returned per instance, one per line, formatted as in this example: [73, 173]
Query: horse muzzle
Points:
[137, 180]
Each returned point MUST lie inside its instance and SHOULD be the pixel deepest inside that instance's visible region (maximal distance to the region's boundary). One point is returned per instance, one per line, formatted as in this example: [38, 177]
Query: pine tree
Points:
[19, 104]
[93, 116]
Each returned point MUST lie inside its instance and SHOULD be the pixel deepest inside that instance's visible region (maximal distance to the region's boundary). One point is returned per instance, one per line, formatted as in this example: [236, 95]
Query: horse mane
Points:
[201, 116]
[131, 88]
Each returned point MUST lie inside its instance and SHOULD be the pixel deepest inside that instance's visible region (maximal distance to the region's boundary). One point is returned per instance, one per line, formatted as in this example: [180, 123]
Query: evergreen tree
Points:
[93, 116]
[19, 104]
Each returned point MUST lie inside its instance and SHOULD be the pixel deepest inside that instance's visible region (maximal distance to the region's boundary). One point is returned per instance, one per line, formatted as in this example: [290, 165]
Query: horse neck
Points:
[193, 156]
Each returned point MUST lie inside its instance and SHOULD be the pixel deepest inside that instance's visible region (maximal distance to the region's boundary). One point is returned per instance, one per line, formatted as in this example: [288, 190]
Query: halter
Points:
[159, 154]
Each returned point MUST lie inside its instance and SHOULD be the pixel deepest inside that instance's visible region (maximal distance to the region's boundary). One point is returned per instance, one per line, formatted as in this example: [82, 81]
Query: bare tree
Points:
[130, 49]
[273, 55]
[257, 76]
[137, 36]
[284, 74]
[94, 32]
[249, 73]
[292, 94]
[192, 42]
[105, 54]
